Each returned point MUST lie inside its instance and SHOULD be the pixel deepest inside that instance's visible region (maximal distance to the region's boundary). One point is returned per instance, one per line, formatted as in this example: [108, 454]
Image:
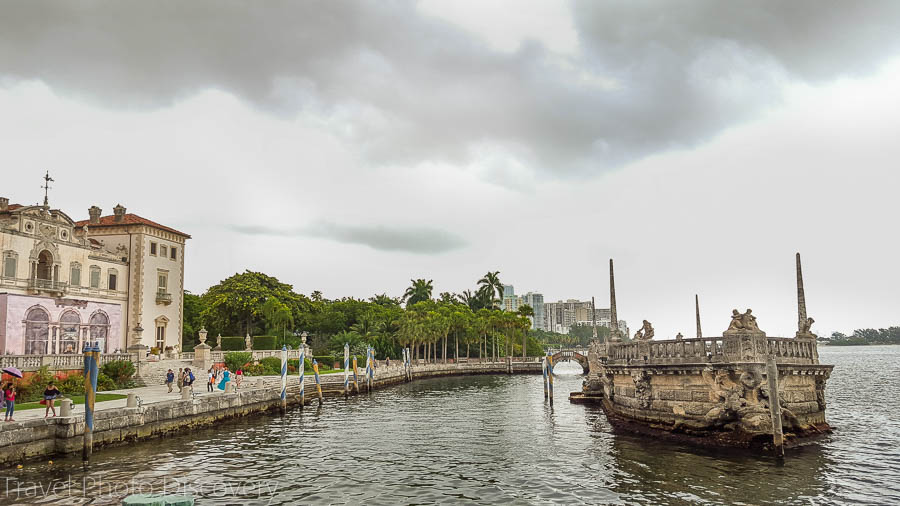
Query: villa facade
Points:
[116, 280]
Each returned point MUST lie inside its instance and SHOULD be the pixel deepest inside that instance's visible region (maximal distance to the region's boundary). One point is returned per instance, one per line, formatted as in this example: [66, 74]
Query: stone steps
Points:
[154, 373]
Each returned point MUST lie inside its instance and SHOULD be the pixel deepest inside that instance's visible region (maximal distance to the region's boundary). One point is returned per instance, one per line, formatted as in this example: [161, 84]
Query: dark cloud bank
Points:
[420, 240]
[405, 88]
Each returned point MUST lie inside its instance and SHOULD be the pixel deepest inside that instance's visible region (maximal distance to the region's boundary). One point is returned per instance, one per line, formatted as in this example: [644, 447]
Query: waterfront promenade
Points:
[159, 413]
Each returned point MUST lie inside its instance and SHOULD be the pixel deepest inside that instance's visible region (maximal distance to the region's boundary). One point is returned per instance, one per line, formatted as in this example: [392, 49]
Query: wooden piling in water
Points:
[550, 377]
[318, 383]
[544, 371]
[775, 407]
[355, 376]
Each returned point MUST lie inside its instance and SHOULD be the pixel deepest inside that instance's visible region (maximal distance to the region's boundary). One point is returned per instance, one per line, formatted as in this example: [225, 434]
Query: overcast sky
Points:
[350, 146]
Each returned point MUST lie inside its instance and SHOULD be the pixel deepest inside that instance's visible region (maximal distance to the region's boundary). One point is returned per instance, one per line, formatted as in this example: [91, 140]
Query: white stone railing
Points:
[714, 349]
[57, 362]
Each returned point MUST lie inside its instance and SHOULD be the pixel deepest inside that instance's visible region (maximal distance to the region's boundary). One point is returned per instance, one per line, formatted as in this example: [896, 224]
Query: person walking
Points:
[239, 376]
[180, 379]
[211, 380]
[9, 395]
[50, 395]
[189, 379]
[170, 379]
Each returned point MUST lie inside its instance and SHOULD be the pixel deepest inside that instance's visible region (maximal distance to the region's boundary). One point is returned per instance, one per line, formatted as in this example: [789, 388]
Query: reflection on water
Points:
[492, 439]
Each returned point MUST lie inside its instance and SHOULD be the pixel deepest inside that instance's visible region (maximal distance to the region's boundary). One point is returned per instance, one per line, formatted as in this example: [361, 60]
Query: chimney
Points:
[94, 212]
[119, 212]
[4, 204]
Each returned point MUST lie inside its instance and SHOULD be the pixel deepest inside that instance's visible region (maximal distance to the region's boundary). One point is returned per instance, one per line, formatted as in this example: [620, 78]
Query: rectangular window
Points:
[9, 267]
[112, 281]
[95, 277]
[75, 276]
[163, 281]
[172, 251]
[162, 251]
[153, 248]
[161, 337]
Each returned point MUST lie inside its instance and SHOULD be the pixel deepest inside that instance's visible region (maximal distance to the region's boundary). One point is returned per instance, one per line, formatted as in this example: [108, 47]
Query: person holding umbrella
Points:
[8, 395]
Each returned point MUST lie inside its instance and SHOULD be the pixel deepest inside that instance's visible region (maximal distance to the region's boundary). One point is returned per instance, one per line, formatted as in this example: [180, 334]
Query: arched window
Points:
[99, 329]
[37, 331]
[69, 324]
[45, 265]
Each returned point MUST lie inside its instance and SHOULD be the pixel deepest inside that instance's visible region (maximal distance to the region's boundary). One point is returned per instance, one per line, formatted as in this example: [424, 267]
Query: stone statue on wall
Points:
[645, 333]
[679, 337]
[248, 343]
[743, 322]
[218, 342]
[805, 329]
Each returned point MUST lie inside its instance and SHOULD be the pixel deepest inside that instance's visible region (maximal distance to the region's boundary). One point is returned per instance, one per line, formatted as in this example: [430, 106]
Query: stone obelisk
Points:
[697, 307]
[614, 334]
[593, 319]
[801, 298]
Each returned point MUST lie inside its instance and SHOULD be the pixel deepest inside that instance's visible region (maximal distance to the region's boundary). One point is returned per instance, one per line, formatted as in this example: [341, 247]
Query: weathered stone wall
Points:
[44, 437]
[703, 399]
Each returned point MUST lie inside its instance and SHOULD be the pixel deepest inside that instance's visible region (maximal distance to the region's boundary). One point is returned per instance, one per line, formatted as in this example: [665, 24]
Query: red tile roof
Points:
[13, 207]
[128, 219]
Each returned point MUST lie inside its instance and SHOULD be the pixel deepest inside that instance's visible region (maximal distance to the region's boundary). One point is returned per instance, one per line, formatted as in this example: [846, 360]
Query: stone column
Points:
[697, 306]
[202, 353]
[801, 298]
[137, 348]
[614, 333]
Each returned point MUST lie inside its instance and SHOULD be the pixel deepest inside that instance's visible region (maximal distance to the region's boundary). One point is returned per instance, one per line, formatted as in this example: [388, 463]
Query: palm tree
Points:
[491, 284]
[419, 291]
[524, 312]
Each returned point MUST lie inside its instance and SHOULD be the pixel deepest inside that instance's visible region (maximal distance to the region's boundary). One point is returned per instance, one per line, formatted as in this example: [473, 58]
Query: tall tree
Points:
[491, 284]
[419, 291]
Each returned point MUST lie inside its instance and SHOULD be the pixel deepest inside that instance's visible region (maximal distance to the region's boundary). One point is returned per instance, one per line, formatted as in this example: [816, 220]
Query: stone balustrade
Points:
[745, 348]
[66, 362]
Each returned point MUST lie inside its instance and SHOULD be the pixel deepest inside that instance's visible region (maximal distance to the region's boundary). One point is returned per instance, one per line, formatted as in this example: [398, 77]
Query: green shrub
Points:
[272, 365]
[105, 383]
[266, 343]
[72, 385]
[254, 370]
[233, 344]
[235, 360]
[326, 360]
[120, 371]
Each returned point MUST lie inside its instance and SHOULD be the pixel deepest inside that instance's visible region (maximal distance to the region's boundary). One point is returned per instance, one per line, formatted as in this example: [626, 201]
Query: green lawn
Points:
[78, 399]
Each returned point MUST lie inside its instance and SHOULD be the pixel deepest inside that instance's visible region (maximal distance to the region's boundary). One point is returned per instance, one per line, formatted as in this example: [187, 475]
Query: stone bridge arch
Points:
[578, 356]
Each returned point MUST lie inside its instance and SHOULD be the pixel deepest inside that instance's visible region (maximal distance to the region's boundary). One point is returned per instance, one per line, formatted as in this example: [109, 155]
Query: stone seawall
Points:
[21, 441]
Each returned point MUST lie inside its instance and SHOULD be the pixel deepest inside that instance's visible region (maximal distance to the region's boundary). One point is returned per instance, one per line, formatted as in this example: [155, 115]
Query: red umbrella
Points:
[12, 371]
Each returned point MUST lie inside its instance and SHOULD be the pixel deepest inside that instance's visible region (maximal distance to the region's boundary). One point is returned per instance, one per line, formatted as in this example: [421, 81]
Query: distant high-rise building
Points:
[509, 302]
[536, 301]
[560, 316]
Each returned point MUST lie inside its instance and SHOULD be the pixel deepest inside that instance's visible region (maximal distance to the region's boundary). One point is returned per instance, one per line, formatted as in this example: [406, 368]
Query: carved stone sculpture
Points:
[248, 343]
[679, 337]
[743, 322]
[642, 388]
[804, 331]
[648, 330]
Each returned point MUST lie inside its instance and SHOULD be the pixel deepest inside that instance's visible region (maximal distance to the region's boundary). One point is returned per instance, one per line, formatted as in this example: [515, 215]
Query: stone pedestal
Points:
[202, 357]
[140, 352]
[745, 346]
[65, 408]
[131, 402]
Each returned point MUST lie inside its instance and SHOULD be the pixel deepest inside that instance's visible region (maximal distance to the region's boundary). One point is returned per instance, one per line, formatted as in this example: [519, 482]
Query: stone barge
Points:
[41, 438]
[740, 389]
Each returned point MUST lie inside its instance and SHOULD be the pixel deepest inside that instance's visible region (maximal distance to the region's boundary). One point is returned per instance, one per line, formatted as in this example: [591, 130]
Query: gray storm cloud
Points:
[402, 87]
[419, 240]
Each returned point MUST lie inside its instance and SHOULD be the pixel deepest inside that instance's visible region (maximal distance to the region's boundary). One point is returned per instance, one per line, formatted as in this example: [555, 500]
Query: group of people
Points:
[217, 377]
[8, 398]
[185, 379]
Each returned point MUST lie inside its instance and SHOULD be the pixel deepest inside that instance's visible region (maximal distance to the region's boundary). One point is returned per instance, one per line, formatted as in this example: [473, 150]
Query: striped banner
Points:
[302, 375]
[91, 371]
[315, 365]
[347, 369]
[283, 375]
